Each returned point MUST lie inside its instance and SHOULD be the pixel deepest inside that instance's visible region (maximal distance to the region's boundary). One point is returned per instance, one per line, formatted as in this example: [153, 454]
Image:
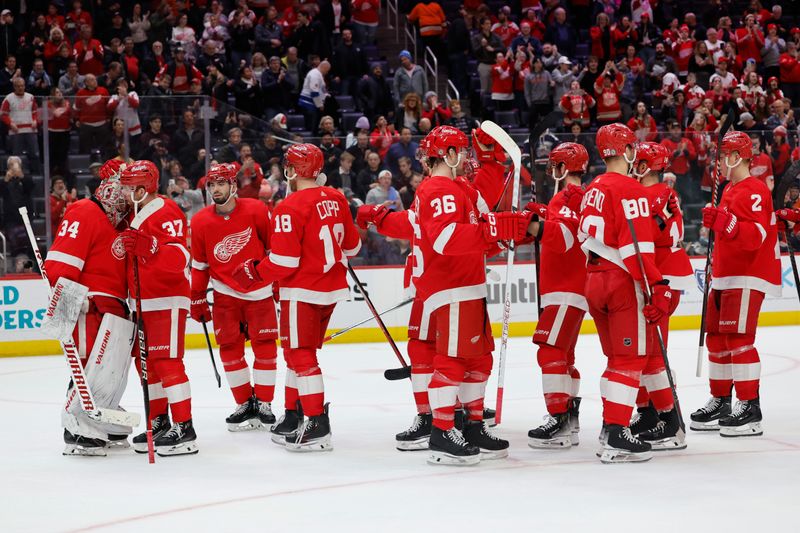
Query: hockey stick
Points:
[81, 385]
[147, 210]
[211, 353]
[393, 374]
[647, 299]
[794, 263]
[707, 285]
[511, 148]
[362, 322]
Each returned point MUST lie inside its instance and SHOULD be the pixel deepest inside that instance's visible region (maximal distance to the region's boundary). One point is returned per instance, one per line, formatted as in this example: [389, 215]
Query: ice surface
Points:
[242, 482]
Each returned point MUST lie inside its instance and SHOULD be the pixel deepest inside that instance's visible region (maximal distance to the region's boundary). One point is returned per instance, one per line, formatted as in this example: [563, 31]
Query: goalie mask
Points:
[111, 196]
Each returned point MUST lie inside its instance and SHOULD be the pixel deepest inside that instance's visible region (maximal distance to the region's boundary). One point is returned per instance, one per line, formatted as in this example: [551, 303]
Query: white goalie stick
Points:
[511, 148]
[80, 385]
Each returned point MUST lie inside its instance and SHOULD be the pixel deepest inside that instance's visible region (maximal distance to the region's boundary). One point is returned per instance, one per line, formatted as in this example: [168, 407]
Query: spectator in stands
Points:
[268, 34]
[138, 25]
[197, 167]
[749, 39]
[330, 152]
[561, 33]
[538, 89]
[184, 36]
[781, 117]
[154, 61]
[682, 152]
[726, 79]
[383, 136]
[635, 81]
[59, 124]
[459, 51]
[408, 191]
[20, 114]
[241, 35]
[485, 45]
[296, 70]
[404, 147]
[564, 75]
[343, 176]
[409, 113]
[8, 73]
[365, 20]
[374, 96]
[230, 152]
[89, 52]
[181, 71]
[359, 152]
[327, 125]
[576, 105]
[526, 40]
[247, 92]
[9, 34]
[789, 64]
[660, 65]
[216, 32]
[647, 36]
[154, 133]
[189, 200]
[60, 199]
[773, 90]
[309, 37]
[53, 45]
[384, 194]
[367, 178]
[409, 78]
[461, 119]
[269, 151]
[124, 104]
[779, 151]
[349, 64]
[550, 57]
[505, 28]
[774, 46]
[405, 172]
[436, 112]
[249, 174]
[430, 19]
[623, 35]
[187, 139]
[16, 190]
[761, 164]
[424, 126]
[160, 156]
[314, 93]
[335, 15]
[643, 124]
[275, 88]
[600, 34]
[702, 60]
[761, 111]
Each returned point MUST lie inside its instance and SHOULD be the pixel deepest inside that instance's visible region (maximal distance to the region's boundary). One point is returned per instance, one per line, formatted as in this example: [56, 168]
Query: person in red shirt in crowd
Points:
[682, 51]
[502, 83]
[698, 134]
[505, 28]
[789, 63]
[601, 38]
[623, 35]
[60, 199]
[383, 136]
[59, 124]
[532, 16]
[437, 113]
[682, 152]
[642, 124]
[89, 53]
[718, 95]
[576, 104]
[91, 106]
[365, 20]
[54, 44]
[249, 173]
[181, 71]
[521, 68]
[749, 39]
[773, 90]
[75, 19]
[693, 92]
[130, 60]
[780, 151]
[53, 17]
[761, 163]
[608, 87]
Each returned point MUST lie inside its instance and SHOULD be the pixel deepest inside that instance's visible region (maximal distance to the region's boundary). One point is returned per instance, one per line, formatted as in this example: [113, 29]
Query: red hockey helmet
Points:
[109, 194]
[655, 155]
[142, 173]
[441, 139]
[111, 168]
[222, 172]
[612, 140]
[305, 159]
[737, 141]
[573, 155]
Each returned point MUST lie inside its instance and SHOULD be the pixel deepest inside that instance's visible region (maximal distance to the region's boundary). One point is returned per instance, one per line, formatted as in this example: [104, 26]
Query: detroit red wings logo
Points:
[232, 245]
[117, 249]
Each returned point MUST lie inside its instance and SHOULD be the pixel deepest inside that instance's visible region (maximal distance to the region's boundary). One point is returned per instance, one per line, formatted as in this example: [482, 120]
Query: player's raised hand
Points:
[246, 274]
[540, 210]
[371, 214]
[665, 205]
[139, 244]
[573, 196]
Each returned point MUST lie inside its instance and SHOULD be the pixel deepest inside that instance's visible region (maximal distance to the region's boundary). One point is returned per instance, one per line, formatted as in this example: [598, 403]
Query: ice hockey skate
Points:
[554, 434]
[161, 425]
[667, 435]
[264, 411]
[707, 417]
[288, 424]
[574, 419]
[645, 419]
[450, 448]
[117, 442]
[477, 434]
[180, 439]
[623, 447]
[314, 435]
[83, 446]
[244, 418]
[744, 421]
[489, 417]
[416, 437]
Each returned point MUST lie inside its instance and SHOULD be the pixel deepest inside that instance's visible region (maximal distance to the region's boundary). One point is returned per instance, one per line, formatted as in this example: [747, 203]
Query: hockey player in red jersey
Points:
[614, 287]
[745, 268]
[562, 282]
[313, 235]
[86, 250]
[487, 186]
[223, 236]
[657, 420]
[156, 239]
[454, 239]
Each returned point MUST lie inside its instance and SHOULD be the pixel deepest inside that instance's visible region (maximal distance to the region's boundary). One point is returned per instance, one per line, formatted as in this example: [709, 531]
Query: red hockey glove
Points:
[573, 196]
[665, 205]
[246, 274]
[505, 226]
[371, 214]
[540, 210]
[660, 303]
[199, 309]
[721, 220]
[139, 244]
[789, 215]
[493, 150]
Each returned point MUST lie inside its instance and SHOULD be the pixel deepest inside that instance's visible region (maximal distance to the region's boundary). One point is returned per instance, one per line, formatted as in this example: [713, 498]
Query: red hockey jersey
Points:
[313, 234]
[85, 249]
[609, 200]
[562, 273]
[761, 168]
[220, 243]
[164, 278]
[454, 260]
[751, 260]
[671, 259]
